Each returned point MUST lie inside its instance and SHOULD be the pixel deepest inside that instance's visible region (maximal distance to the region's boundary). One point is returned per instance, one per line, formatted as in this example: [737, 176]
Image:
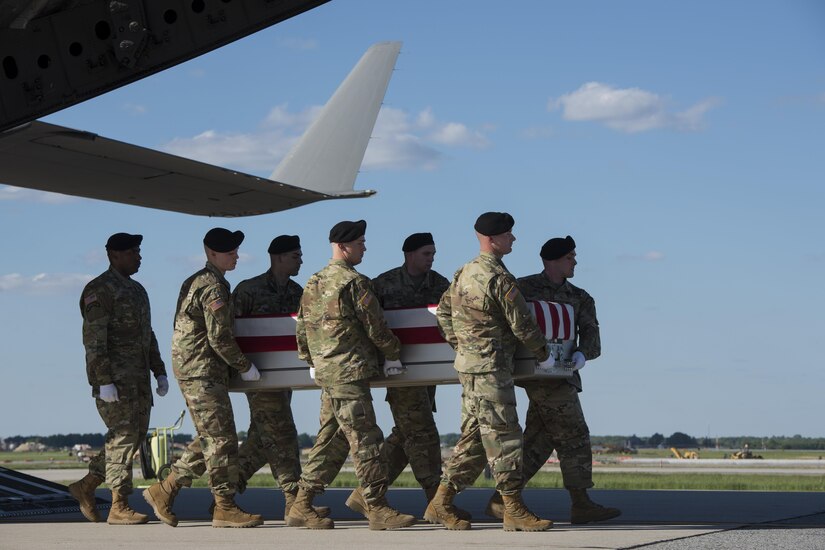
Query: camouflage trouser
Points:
[271, 438]
[489, 430]
[211, 411]
[414, 438]
[555, 420]
[190, 465]
[127, 420]
[347, 422]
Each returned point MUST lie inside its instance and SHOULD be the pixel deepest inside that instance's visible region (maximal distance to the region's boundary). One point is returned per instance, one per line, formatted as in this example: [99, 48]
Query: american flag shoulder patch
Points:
[91, 298]
[216, 305]
[365, 298]
[512, 294]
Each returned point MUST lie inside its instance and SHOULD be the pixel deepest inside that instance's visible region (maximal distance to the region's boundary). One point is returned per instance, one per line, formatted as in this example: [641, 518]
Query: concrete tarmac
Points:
[662, 520]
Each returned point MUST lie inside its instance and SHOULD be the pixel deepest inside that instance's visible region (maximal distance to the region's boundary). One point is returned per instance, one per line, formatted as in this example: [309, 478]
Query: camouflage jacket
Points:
[341, 326]
[117, 331]
[484, 316]
[539, 287]
[203, 343]
[395, 288]
[261, 295]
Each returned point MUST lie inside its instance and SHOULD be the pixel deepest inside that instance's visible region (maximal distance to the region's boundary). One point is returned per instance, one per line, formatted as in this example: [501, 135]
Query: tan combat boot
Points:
[121, 514]
[383, 517]
[495, 506]
[84, 492]
[518, 518]
[289, 499]
[441, 510]
[585, 510]
[161, 496]
[228, 514]
[302, 514]
[460, 512]
[356, 503]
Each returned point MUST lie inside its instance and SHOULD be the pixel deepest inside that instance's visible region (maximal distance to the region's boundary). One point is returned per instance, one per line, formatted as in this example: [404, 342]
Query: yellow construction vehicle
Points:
[684, 454]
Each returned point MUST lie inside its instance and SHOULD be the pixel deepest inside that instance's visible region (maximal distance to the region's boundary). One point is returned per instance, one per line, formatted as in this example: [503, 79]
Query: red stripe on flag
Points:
[554, 315]
[418, 335]
[568, 329]
[542, 322]
[263, 344]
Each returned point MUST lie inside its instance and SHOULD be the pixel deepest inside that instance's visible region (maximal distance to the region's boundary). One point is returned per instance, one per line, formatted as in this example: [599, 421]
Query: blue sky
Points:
[680, 144]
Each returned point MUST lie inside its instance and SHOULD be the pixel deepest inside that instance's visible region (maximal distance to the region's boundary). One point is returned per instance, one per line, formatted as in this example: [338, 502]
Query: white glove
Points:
[312, 372]
[108, 393]
[578, 360]
[547, 364]
[392, 368]
[163, 385]
[252, 375]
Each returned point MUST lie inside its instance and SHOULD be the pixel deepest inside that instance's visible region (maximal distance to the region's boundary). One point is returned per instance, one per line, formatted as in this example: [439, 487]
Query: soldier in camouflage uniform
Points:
[204, 352]
[121, 351]
[483, 316]
[272, 437]
[414, 439]
[340, 331]
[555, 419]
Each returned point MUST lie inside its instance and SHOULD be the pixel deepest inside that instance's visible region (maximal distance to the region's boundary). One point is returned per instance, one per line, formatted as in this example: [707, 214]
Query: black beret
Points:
[344, 232]
[284, 243]
[416, 241]
[123, 241]
[494, 223]
[223, 240]
[558, 247]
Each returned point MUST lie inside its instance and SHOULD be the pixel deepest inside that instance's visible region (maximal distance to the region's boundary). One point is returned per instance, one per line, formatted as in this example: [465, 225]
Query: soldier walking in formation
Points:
[121, 352]
[204, 351]
[272, 437]
[341, 330]
[483, 316]
[555, 419]
[414, 439]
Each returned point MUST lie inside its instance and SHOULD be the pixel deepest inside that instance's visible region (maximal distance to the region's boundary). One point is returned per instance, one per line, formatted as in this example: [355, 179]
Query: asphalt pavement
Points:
[662, 520]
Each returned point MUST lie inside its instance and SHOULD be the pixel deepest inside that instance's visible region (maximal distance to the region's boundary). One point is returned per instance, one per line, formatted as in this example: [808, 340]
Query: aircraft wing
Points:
[56, 53]
[322, 165]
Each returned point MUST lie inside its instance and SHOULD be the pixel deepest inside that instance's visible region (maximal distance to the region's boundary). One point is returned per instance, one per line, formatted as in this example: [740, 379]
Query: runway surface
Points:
[665, 520]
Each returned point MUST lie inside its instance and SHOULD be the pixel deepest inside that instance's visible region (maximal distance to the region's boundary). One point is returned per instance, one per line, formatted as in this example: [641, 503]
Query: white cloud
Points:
[628, 110]
[650, 256]
[44, 283]
[11, 193]
[399, 141]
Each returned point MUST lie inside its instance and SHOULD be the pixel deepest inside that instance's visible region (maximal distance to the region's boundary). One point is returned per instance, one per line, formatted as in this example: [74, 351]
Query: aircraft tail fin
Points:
[328, 156]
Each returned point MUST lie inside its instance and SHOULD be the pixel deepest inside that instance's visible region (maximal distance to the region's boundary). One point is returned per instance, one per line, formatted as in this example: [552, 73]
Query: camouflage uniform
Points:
[484, 317]
[272, 436]
[204, 352]
[414, 438]
[555, 419]
[121, 349]
[340, 331]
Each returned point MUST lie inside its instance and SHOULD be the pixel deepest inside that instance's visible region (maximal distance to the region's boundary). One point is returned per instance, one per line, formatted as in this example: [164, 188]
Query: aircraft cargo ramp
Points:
[23, 496]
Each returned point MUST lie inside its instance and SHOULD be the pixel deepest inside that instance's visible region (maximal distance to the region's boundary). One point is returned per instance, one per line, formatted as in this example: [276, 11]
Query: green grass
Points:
[48, 460]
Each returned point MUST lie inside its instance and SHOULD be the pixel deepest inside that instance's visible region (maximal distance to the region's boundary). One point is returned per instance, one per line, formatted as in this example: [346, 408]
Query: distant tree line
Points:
[676, 439]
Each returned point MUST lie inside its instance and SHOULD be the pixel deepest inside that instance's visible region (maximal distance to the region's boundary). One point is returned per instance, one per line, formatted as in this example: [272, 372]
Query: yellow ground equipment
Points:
[156, 450]
[684, 454]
